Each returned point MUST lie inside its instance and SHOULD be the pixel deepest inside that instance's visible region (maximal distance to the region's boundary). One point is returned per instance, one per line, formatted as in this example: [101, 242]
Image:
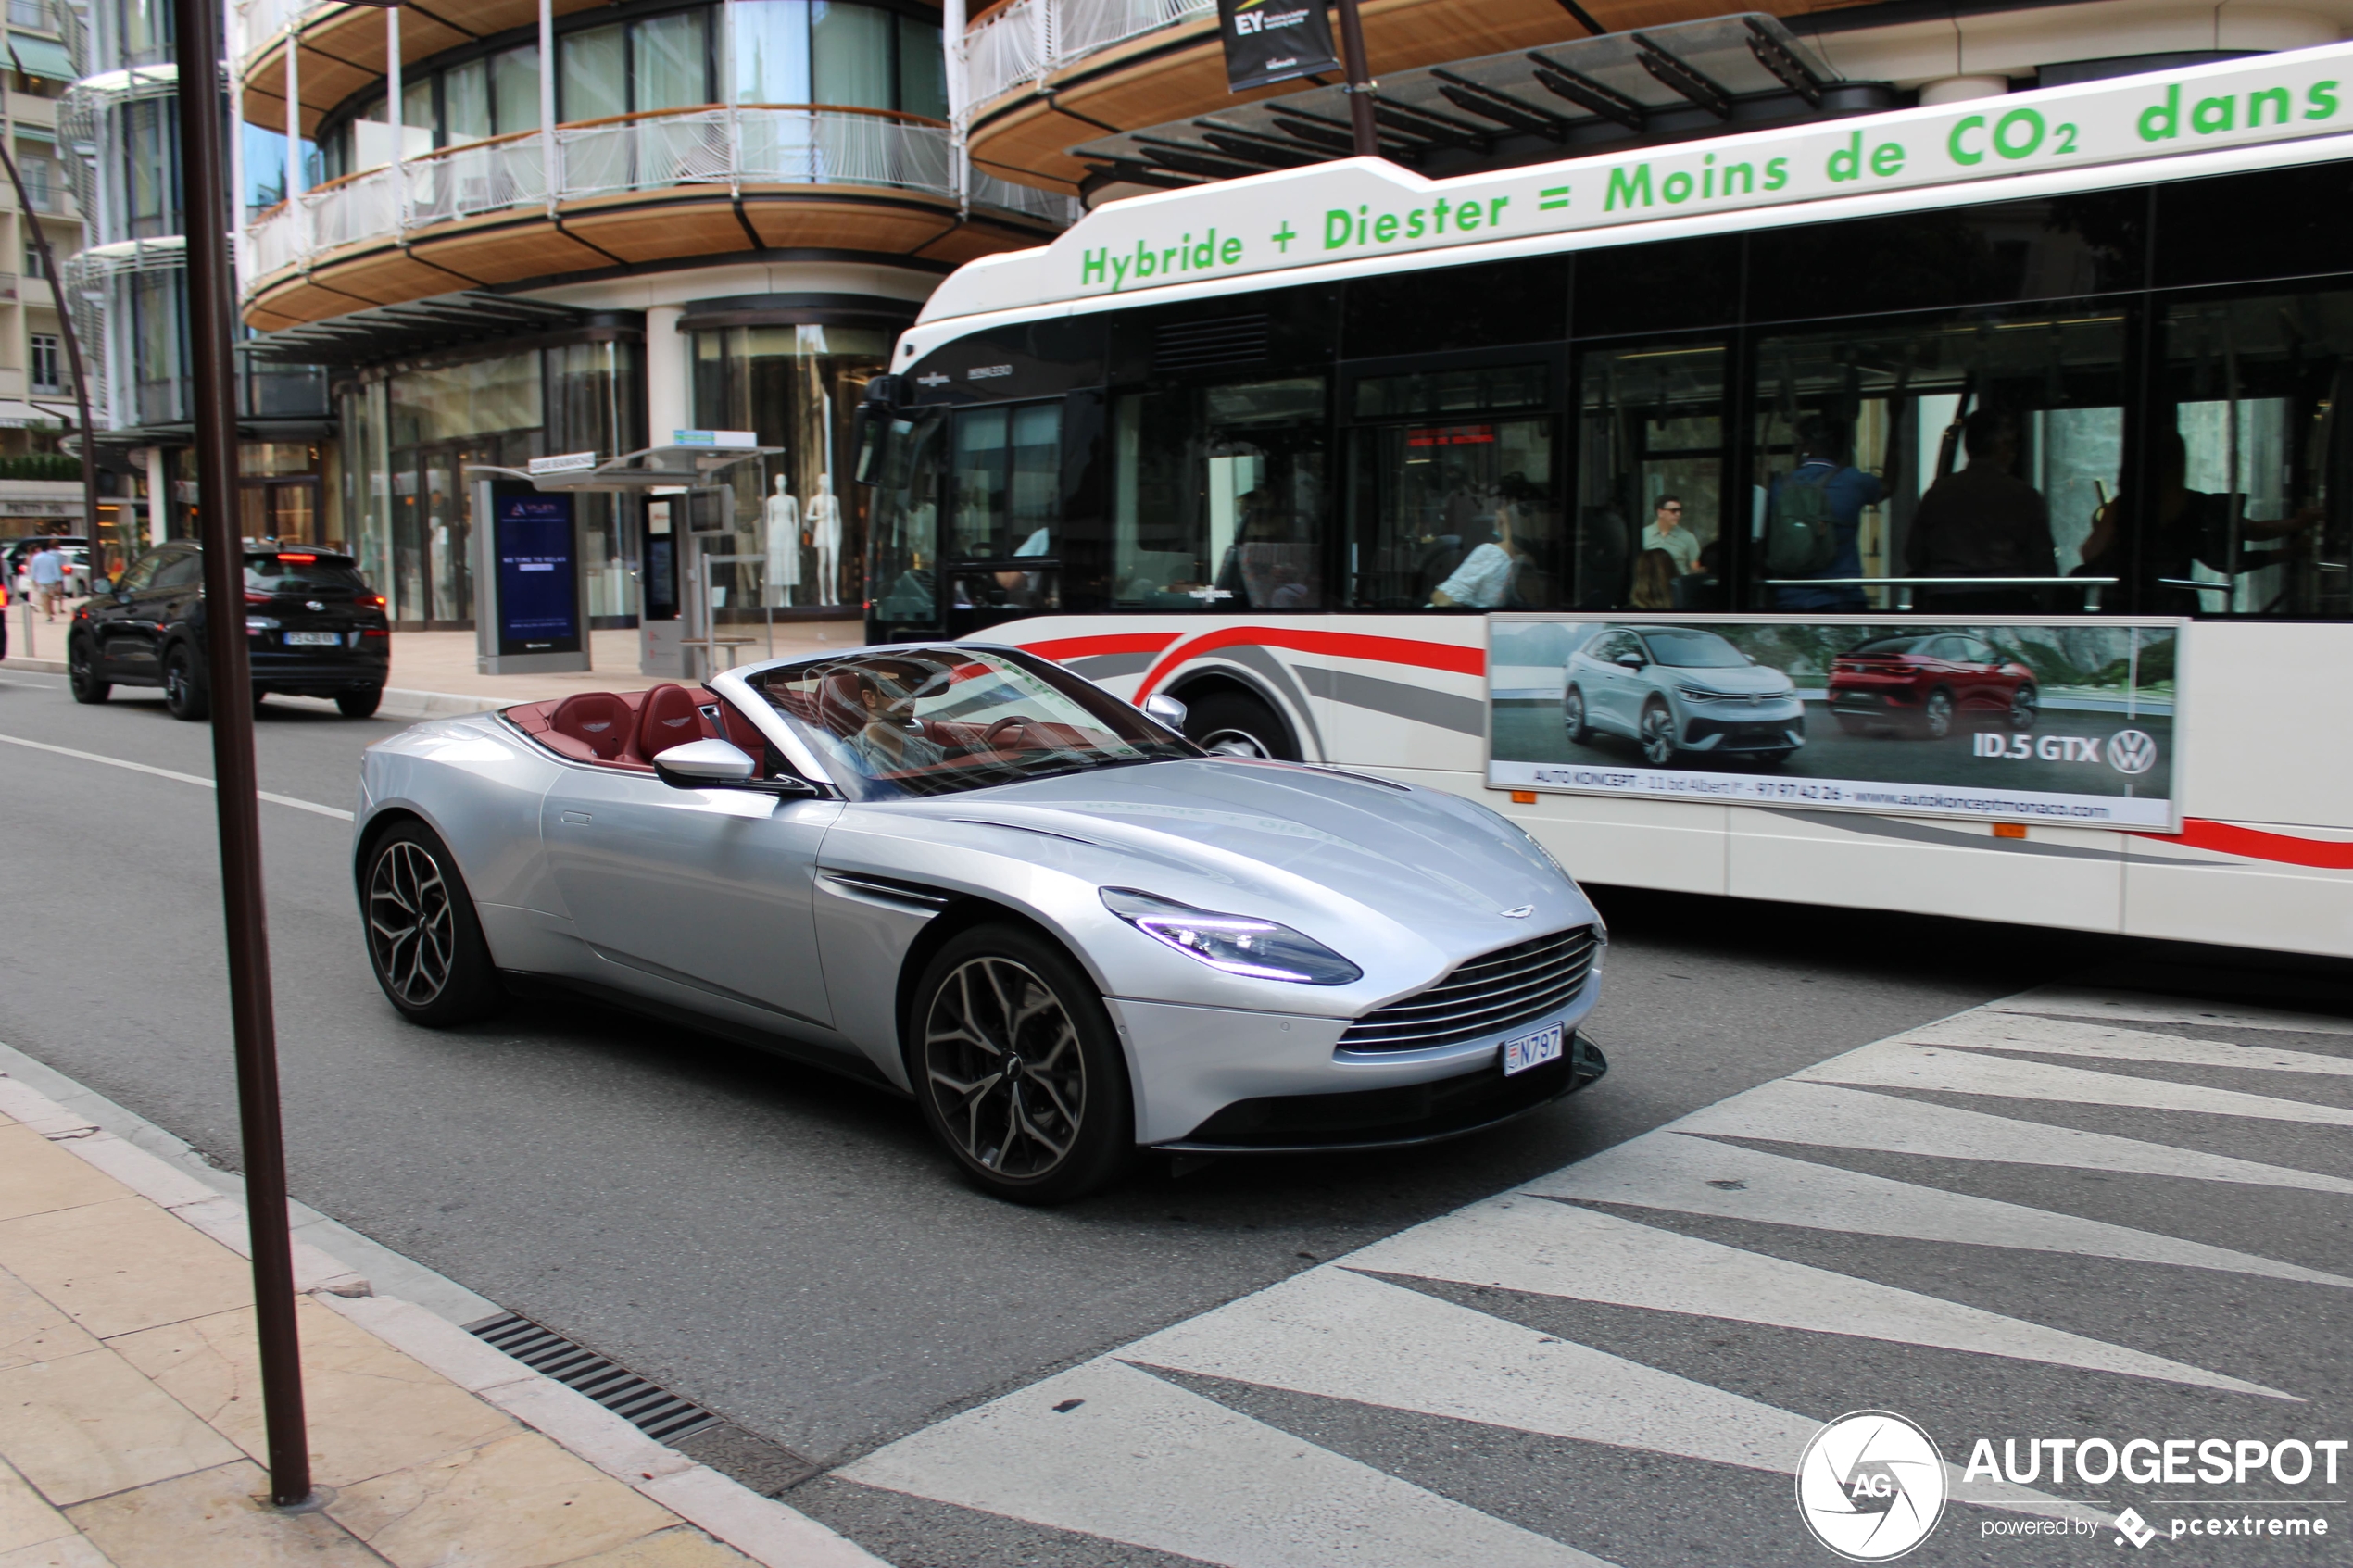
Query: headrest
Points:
[598, 720]
[839, 704]
[667, 718]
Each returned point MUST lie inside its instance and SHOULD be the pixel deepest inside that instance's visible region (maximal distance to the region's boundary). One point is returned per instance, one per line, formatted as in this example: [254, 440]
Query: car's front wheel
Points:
[1936, 715]
[424, 940]
[81, 672]
[1573, 717]
[1017, 1067]
[2026, 706]
[1659, 746]
[185, 694]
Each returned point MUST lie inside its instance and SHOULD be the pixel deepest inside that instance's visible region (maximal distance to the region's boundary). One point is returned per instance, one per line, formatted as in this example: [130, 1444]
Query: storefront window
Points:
[797, 386]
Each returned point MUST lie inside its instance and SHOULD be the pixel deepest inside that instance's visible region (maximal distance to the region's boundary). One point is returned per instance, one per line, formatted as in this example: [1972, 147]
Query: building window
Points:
[48, 362]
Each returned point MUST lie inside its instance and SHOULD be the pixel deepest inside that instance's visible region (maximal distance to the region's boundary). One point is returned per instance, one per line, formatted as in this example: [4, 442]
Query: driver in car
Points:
[879, 725]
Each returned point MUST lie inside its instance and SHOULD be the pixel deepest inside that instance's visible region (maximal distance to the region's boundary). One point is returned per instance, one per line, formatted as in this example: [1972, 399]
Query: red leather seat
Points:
[667, 717]
[598, 720]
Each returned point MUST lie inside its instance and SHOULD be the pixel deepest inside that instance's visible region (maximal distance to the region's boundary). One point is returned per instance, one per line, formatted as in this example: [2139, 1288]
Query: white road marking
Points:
[1557, 1249]
[1143, 1461]
[1825, 1116]
[1897, 1065]
[1310, 1334]
[335, 811]
[2062, 1036]
[2134, 1006]
[1671, 1171]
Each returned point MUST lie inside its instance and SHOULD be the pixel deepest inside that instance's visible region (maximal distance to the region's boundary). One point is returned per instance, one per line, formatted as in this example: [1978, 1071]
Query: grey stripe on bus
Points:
[1103, 666]
[1440, 710]
[1922, 832]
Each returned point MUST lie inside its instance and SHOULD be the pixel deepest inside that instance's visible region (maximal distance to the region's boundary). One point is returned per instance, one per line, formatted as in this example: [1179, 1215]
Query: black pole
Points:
[1360, 81]
[211, 287]
[73, 359]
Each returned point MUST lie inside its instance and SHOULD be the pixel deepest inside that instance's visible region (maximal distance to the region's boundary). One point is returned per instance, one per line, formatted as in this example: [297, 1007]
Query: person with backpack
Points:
[1812, 516]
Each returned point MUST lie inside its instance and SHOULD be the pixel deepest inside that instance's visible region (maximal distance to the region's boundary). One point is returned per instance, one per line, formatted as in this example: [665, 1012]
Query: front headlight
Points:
[1701, 694]
[1236, 944]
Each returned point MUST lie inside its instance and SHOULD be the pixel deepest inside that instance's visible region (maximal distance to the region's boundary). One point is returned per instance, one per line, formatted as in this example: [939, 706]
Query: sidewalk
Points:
[130, 1422]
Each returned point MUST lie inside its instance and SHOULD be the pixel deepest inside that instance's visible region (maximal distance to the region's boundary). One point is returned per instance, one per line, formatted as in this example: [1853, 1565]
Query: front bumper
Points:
[1191, 1067]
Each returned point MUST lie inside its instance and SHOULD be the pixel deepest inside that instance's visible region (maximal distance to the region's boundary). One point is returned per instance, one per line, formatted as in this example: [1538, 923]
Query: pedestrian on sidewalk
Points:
[48, 573]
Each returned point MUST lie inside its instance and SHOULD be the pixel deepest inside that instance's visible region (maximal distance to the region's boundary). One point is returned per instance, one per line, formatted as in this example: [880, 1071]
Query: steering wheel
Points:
[1010, 722]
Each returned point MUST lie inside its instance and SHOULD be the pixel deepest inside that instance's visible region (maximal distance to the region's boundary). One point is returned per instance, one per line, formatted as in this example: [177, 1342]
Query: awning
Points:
[18, 415]
[42, 56]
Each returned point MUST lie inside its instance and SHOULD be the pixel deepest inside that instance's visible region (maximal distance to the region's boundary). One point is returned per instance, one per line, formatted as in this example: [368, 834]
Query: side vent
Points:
[1195, 345]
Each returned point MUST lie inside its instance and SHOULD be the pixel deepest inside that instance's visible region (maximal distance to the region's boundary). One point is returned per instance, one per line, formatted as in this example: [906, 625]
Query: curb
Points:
[768, 1531]
[399, 701]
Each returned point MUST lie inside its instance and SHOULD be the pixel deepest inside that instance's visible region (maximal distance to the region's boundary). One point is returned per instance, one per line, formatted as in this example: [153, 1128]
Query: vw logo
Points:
[1870, 1486]
[313, 604]
[2131, 751]
[1520, 913]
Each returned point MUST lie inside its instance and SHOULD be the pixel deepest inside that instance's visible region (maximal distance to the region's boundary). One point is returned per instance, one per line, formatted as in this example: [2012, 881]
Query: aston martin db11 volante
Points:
[968, 875]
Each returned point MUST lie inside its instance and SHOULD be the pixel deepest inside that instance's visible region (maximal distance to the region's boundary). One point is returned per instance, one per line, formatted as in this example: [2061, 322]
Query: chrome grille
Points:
[1511, 985]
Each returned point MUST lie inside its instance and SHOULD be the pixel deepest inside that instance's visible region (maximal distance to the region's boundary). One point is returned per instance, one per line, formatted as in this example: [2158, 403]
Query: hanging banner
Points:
[1271, 41]
[2058, 721]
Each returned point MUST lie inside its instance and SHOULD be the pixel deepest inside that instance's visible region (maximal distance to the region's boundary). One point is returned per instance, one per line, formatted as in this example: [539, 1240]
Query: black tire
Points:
[424, 940]
[186, 692]
[1061, 1123]
[81, 672]
[2026, 706]
[1937, 714]
[1573, 718]
[361, 704]
[1237, 724]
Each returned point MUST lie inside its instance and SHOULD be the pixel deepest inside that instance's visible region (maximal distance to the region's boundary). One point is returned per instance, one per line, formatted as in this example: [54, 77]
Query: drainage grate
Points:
[657, 1412]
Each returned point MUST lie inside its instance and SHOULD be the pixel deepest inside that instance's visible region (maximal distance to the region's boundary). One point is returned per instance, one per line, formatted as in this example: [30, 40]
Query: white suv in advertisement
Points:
[1675, 689]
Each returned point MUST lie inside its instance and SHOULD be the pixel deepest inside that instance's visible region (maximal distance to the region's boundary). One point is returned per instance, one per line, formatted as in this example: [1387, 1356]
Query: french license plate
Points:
[1525, 1051]
[314, 639]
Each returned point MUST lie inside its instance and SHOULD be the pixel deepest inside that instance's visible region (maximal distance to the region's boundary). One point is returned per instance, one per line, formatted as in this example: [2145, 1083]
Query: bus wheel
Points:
[1236, 724]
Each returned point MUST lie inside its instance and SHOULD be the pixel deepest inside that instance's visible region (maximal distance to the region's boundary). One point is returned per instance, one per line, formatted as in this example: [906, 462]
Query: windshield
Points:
[1693, 651]
[937, 721]
[301, 572]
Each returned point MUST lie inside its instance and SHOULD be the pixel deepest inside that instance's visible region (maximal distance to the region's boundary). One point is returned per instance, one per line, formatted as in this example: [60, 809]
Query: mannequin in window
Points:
[782, 545]
[823, 517]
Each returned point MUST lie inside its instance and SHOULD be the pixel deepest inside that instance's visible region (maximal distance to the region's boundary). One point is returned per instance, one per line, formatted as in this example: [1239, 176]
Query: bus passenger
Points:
[1982, 522]
[2189, 528]
[1666, 532]
[1484, 580]
[1654, 579]
[1843, 491]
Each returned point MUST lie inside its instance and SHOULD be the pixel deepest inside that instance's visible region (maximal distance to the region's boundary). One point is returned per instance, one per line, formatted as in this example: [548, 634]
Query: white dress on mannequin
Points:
[782, 545]
[824, 514]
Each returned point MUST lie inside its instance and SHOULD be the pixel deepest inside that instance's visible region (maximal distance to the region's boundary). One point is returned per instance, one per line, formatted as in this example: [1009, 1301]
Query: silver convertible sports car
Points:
[965, 874]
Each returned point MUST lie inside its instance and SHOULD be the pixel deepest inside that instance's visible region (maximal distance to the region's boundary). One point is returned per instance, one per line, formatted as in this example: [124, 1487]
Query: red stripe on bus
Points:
[1449, 657]
[1063, 648]
[2253, 844]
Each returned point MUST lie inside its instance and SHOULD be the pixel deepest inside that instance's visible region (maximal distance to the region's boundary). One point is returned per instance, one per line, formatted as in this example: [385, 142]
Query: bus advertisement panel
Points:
[2055, 722]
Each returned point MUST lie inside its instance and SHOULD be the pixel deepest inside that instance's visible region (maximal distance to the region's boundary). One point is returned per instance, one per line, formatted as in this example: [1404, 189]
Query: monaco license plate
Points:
[314, 639]
[1524, 1051]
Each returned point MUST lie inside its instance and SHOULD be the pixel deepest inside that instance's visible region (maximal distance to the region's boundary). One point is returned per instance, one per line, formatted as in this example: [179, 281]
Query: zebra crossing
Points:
[2068, 1213]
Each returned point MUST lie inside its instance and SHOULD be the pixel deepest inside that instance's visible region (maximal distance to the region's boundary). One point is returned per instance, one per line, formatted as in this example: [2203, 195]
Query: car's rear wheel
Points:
[81, 672]
[185, 694]
[1936, 715]
[1573, 717]
[1017, 1067]
[359, 704]
[2026, 706]
[1659, 746]
[1237, 724]
[424, 940]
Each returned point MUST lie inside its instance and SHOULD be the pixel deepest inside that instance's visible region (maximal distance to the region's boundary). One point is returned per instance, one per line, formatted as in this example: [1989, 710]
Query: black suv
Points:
[314, 628]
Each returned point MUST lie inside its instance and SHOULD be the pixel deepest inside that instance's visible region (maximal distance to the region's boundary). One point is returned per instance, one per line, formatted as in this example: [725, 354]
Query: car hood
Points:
[1747, 679]
[1424, 859]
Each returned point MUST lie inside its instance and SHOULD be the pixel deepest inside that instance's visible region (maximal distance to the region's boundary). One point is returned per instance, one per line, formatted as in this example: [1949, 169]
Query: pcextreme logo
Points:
[1870, 1486]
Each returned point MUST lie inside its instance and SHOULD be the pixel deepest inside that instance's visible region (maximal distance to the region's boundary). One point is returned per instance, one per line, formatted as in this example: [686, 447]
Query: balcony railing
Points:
[1030, 40]
[740, 148]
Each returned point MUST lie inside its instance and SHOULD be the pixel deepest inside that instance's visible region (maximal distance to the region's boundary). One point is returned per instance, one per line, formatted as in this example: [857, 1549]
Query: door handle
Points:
[580, 817]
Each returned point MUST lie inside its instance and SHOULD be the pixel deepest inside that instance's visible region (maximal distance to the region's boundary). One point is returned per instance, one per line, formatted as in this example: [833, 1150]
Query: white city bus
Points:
[2007, 440]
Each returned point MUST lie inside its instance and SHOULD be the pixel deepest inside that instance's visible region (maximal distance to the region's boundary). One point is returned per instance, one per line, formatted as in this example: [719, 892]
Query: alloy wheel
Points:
[1658, 736]
[412, 933]
[1573, 715]
[1005, 1068]
[2025, 707]
[1936, 714]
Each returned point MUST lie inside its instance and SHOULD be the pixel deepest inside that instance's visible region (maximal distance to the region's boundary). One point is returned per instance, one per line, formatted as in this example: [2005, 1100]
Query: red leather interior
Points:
[666, 718]
[628, 729]
[598, 720]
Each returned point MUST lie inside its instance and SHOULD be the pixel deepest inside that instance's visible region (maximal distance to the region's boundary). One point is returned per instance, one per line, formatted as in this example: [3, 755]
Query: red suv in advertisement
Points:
[1922, 686]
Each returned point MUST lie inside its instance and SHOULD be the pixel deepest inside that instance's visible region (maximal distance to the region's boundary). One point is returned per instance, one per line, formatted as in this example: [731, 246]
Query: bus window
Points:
[2248, 513]
[1218, 496]
[1004, 506]
[1650, 481]
[1457, 516]
[1958, 468]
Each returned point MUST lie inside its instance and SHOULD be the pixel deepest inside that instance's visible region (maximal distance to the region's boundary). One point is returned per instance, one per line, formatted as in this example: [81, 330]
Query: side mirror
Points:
[1167, 710]
[1631, 662]
[716, 764]
[101, 586]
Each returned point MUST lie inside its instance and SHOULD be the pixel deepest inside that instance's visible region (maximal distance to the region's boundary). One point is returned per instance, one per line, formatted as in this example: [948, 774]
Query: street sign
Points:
[564, 462]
